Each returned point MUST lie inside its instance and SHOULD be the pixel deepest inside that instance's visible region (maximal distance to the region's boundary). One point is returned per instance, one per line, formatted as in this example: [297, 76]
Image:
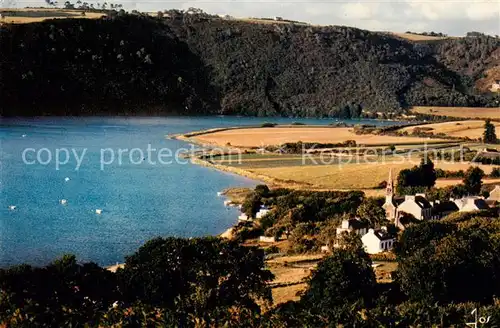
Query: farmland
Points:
[419, 37]
[332, 173]
[351, 176]
[361, 167]
[473, 128]
[31, 15]
[460, 112]
[257, 137]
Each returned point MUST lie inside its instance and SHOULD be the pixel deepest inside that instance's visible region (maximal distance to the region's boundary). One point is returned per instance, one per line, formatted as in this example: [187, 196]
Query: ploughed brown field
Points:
[462, 112]
[473, 129]
[257, 137]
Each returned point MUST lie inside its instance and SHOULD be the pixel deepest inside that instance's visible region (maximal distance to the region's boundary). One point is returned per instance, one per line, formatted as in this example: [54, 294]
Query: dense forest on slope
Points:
[196, 64]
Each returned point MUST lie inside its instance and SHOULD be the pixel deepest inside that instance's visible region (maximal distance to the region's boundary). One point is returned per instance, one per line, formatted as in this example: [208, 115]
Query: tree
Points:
[418, 236]
[202, 278]
[445, 193]
[427, 173]
[328, 231]
[473, 180]
[371, 211]
[262, 190]
[437, 272]
[495, 172]
[489, 135]
[423, 176]
[342, 284]
[64, 293]
[251, 205]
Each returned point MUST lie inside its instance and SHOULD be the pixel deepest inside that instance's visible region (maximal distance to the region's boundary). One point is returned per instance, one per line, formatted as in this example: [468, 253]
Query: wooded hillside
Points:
[130, 64]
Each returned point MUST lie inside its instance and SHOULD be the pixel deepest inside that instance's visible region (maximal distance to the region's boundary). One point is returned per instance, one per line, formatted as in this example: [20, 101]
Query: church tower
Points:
[389, 206]
[389, 189]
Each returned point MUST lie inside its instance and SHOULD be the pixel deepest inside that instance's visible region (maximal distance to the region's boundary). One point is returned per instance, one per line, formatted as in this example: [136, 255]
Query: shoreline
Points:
[270, 181]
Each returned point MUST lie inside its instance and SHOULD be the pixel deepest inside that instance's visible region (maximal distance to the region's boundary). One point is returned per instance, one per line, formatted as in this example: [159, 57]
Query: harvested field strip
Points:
[351, 176]
[258, 137]
[460, 112]
[471, 129]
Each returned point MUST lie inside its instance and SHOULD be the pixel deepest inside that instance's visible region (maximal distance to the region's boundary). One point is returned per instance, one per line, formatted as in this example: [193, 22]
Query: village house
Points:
[353, 225]
[415, 205]
[265, 239]
[244, 218]
[347, 226]
[378, 241]
[471, 204]
[262, 212]
[443, 208]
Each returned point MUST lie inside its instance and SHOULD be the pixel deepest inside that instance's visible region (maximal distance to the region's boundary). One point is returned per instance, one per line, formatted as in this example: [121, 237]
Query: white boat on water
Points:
[219, 193]
[63, 201]
[12, 207]
[98, 211]
[66, 179]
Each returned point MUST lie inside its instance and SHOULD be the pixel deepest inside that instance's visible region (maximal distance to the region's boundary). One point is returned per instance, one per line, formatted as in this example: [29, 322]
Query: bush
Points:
[387, 257]
[495, 173]
[244, 233]
[272, 250]
[268, 125]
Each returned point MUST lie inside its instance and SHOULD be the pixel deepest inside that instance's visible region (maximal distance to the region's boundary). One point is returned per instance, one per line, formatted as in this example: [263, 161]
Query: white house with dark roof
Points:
[416, 205]
[378, 241]
[358, 226]
[471, 204]
[443, 208]
[262, 212]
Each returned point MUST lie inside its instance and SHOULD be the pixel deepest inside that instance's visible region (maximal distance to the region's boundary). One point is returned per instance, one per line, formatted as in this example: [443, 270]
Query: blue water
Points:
[138, 201]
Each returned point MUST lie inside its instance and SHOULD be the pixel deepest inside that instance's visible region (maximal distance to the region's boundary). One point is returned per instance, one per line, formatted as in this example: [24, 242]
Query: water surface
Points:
[138, 201]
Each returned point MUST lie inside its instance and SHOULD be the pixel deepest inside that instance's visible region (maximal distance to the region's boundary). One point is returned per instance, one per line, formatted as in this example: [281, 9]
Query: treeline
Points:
[194, 63]
[422, 179]
[432, 33]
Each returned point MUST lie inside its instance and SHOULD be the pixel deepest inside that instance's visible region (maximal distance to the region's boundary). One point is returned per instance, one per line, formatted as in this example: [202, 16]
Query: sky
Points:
[450, 17]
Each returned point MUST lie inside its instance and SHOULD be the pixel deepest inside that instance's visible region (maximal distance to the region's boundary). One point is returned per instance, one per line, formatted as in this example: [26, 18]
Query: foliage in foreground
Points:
[176, 282]
[446, 269]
